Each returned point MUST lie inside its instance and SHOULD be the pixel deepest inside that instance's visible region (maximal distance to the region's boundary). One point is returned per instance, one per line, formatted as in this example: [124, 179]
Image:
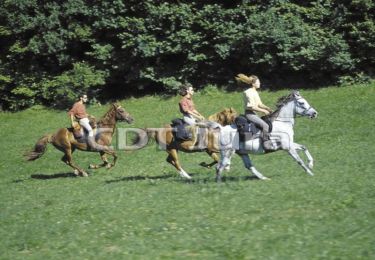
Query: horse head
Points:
[122, 114]
[303, 107]
[226, 117]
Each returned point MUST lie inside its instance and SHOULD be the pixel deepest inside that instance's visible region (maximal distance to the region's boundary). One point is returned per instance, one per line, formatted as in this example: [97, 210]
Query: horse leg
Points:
[104, 164]
[170, 160]
[294, 154]
[173, 159]
[224, 162]
[113, 154]
[249, 165]
[310, 159]
[67, 158]
[214, 156]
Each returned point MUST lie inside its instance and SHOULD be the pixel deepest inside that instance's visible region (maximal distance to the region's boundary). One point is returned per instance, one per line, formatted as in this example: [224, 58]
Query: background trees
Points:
[52, 50]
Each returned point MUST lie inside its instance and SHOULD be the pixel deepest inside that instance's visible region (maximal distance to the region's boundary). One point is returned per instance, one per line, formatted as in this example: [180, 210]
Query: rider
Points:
[78, 113]
[253, 104]
[187, 107]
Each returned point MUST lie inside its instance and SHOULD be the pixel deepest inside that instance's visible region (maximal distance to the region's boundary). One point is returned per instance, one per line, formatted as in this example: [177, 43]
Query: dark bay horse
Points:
[164, 137]
[64, 140]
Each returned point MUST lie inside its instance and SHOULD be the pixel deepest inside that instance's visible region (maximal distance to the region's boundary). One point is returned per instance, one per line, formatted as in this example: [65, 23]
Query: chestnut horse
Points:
[164, 137]
[64, 140]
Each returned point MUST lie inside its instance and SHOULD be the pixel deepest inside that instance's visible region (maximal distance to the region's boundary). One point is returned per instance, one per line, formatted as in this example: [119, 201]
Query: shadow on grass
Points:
[212, 179]
[141, 178]
[53, 176]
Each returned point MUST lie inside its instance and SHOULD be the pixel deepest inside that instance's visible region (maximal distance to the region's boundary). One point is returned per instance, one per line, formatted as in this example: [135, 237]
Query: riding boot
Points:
[94, 146]
[267, 143]
[241, 143]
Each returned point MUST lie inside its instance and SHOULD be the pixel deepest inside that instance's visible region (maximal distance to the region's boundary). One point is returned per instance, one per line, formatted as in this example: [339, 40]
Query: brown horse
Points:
[64, 140]
[165, 138]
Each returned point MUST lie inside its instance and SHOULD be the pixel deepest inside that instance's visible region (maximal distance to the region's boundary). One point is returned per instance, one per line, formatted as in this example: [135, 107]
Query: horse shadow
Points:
[53, 176]
[210, 179]
[140, 178]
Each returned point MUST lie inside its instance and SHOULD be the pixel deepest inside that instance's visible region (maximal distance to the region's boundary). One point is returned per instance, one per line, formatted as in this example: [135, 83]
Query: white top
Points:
[251, 98]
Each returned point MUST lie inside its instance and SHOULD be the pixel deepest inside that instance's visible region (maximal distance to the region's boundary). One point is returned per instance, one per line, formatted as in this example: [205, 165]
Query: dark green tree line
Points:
[51, 51]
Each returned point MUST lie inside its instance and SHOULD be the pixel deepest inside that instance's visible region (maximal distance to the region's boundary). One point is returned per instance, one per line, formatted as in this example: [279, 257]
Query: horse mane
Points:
[222, 116]
[108, 117]
[280, 103]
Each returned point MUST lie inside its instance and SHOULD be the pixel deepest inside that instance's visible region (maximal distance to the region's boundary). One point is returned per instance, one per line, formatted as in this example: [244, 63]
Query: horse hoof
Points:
[265, 179]
[227, 168]
[311, 165]
[76, 172]
[84, 174]
[109, 166]
[185, 175]
[93, 166]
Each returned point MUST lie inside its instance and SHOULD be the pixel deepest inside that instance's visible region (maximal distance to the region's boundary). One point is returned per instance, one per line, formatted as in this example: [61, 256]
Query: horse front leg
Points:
[293, 152]
[224, 162]
[114, 156]
[173, 159]
[310, 159]
[249, 165]
[104, 164]
[214, 156]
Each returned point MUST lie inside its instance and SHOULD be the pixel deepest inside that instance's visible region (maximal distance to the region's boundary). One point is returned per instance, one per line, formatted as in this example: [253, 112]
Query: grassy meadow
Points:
[142, 209]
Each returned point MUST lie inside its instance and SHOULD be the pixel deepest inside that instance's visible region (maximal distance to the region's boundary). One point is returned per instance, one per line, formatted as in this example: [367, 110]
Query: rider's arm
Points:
[258, 109]
[185, 108]
[197, 114]
[263, 106]
[72, 119]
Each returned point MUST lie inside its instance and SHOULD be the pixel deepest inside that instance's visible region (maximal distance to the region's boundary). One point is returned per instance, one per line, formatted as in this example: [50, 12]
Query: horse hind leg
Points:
[67, 158]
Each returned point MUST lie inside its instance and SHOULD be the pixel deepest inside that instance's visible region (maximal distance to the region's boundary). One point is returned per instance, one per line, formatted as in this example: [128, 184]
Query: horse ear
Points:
[296, 93]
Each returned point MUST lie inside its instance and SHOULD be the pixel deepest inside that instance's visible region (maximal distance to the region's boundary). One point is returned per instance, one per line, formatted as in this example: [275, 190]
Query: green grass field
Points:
[142, 209]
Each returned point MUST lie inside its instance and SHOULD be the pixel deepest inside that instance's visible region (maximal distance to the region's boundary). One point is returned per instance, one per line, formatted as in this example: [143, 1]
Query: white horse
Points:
[282, 136]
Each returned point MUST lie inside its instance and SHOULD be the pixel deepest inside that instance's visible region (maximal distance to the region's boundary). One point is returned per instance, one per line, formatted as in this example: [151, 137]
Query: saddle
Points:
[79, 132]
[248, 130]
[181, 132]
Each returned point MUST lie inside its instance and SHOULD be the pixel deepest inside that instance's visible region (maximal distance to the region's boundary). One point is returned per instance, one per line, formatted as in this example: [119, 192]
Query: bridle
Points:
[305, 112]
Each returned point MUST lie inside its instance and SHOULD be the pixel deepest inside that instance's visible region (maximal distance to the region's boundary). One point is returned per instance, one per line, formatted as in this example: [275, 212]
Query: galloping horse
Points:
[164, 137]
[64, 140]
[282, 136]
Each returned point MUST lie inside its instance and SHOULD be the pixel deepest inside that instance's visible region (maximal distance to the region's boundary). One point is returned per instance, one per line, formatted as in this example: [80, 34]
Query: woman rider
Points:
[254, 105]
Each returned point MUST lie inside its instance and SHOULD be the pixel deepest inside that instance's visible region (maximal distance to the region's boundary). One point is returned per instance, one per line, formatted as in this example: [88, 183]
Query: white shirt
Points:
[251, 98]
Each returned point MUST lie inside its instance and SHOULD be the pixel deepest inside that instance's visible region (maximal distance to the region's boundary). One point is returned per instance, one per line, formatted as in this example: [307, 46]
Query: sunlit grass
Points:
[143, 209]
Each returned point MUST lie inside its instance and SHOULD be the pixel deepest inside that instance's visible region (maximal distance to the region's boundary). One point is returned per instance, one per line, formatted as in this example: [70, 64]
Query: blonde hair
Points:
[248, 80]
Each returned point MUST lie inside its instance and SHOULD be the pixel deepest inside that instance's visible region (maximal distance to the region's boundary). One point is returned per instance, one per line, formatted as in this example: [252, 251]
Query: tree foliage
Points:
[51, 51]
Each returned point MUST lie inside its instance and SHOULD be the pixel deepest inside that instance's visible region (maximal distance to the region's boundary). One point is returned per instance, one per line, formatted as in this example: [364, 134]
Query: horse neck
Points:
[108, 120]
[286, 113]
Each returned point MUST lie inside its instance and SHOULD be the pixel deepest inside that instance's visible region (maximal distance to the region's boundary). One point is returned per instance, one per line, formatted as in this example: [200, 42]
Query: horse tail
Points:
[39, 148]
